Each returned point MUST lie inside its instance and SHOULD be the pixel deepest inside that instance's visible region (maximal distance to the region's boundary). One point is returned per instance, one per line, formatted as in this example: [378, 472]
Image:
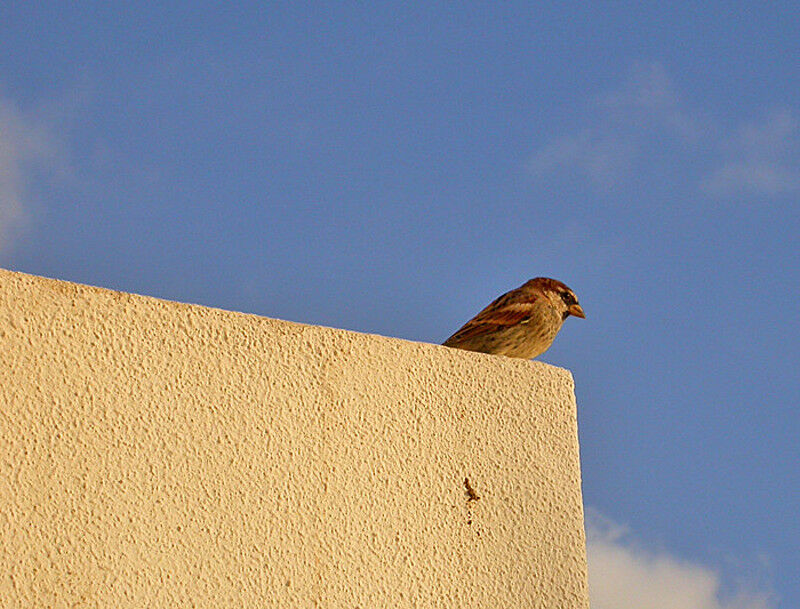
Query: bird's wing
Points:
[512, 308]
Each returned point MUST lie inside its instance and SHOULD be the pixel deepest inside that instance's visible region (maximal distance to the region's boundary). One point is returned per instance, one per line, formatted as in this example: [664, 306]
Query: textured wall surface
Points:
[156, 454]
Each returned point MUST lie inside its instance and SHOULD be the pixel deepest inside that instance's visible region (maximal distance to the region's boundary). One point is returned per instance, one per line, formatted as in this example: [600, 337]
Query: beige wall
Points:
[156, 454]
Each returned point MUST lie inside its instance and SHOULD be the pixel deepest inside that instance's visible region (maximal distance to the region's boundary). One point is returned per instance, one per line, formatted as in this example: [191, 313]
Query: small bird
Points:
[520, 323]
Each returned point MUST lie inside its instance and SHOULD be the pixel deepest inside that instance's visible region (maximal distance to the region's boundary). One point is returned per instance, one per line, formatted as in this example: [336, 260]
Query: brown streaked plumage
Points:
[520, 323]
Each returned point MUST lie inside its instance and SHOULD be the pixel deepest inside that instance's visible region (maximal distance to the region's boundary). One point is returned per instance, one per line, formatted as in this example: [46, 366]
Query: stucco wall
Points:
[157, 454]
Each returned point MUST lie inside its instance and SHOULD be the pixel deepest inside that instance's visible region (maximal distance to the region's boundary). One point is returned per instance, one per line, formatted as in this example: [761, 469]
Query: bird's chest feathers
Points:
[544, 322]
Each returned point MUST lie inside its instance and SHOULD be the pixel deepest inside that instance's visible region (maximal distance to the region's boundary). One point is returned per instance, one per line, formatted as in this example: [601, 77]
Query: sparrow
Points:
[520, 323]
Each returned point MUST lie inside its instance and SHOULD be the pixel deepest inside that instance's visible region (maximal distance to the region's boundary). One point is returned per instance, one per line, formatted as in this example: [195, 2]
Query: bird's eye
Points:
[568, 298]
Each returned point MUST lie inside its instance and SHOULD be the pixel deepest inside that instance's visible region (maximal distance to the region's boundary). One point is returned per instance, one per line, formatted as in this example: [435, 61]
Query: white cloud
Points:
[760, 158]
[649, 101]
[632, 125]
[646, 103]
[24, 144]
[623, 575]
[601, 157]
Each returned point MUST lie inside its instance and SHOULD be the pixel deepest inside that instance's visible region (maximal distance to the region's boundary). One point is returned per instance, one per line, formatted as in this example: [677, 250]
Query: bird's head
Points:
[562, 298]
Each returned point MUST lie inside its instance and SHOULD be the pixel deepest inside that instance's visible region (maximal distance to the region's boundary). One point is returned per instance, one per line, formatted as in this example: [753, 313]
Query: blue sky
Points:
[392, 169]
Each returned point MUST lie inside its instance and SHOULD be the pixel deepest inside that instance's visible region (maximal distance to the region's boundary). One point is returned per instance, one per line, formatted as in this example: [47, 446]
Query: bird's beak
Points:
[577, 311]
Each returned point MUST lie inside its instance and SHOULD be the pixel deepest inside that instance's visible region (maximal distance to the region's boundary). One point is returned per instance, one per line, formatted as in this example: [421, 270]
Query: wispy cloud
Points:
[25, 144]
[760, 158]
[602, 157]
[649, 101]
[623, 575]
[630, 127]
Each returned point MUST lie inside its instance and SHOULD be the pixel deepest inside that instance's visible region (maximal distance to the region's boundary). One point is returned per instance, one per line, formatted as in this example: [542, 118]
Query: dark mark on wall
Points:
[471, 494]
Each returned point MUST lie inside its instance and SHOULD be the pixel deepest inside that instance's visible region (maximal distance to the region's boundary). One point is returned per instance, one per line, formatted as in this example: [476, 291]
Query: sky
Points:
[392, 168]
